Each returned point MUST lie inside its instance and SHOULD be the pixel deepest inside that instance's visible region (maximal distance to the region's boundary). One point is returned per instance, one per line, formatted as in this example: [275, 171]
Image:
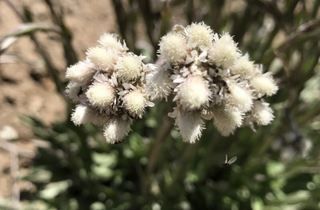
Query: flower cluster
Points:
[109, 87]
[207, 74]
[210, 79]
[292, 144]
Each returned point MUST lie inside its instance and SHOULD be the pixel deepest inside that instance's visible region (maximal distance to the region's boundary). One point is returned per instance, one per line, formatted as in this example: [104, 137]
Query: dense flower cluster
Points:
[109, 87]
[210, 78]
[292, 144]
[208, 75]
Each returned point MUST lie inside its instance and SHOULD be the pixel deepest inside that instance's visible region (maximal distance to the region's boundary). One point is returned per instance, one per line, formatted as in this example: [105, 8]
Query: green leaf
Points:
[107, 160]
[29, 28]
[275, 168]
[256, 203]
[53, 189]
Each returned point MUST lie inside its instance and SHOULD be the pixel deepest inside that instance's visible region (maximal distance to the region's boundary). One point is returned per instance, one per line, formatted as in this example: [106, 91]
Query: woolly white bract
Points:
[135, 102]
[128, 67]
[158, 83]
[102, 58]
[264, 85]
[262, 114]
[173, 47]
[243, 67]
[193, 93]
[189, 124]
[101, 94]
[73, 89]
[80, 73]
[110, 41]
[200, 34]
[239, 97]
[82, 115]
[226, 119]
[116, 129]
[224, 51]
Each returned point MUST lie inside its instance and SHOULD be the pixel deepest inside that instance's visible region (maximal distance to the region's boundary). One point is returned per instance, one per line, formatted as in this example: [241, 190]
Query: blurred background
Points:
[48, 163]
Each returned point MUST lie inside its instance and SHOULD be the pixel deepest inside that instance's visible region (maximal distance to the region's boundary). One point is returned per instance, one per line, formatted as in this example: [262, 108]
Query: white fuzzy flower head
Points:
[73, 90]
[80, 73]
[224, 51]
[135, 102]
[158, 84]
[102, 58]
[193, 93]
[200, 34]
[261, 113]
[226, 119]
[264, 85]
[173, 48]
[110, 41]
[116, 129]
[128, 67]
[239, 97]
[243, 67]
[82, 115]
[189, 124]
[101, 94]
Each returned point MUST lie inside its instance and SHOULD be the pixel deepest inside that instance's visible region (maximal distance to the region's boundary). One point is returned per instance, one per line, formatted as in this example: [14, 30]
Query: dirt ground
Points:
[25, 87]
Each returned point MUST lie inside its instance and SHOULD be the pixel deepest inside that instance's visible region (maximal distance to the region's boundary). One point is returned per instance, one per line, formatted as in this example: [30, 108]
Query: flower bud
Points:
[158, 84]
[80, 73]
[110, 41]
[101, 94]
[102, 58]
[189, 124]
[128, 67]
[116, 129]
[264, 85]
[262, 114]
[74, 89]
[200, 34]
[82, 115]
[224, 51]
[242, 67]
[135, 102]
[239, 97]
[226, 119]
[173, 48]
[193, 93]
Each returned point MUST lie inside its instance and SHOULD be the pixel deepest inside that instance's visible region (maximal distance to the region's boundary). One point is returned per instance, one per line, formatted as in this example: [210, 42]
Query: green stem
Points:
[155, 151]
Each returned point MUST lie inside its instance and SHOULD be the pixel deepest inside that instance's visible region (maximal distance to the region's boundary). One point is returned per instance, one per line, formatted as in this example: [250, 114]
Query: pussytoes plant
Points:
[209, 77]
